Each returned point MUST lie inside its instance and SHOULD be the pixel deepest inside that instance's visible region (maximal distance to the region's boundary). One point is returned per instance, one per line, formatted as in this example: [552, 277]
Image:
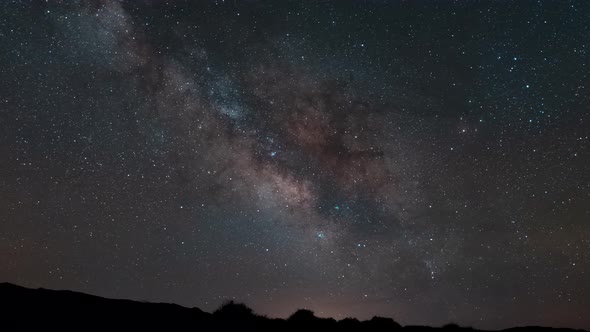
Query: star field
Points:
[421, 161]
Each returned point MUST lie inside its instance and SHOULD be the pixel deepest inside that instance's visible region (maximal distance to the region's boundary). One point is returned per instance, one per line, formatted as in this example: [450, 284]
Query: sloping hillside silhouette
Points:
[25, 307]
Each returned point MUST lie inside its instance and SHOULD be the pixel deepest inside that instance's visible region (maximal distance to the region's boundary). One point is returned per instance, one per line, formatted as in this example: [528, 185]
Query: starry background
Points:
[425, 161]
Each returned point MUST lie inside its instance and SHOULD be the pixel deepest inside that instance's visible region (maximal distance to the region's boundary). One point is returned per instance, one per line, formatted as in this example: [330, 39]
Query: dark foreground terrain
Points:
[24, 307]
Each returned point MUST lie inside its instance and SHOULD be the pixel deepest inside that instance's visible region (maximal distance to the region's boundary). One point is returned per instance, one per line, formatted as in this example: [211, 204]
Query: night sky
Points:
[426, 161]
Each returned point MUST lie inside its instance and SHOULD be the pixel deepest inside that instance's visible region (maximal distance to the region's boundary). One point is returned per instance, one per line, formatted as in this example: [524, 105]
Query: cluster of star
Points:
[424, 162]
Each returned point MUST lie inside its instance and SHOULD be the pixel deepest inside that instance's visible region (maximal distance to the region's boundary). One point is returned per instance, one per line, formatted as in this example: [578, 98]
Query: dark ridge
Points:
[25, 307]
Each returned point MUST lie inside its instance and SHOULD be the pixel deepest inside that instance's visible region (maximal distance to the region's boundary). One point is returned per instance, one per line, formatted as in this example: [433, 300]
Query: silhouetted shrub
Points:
[451, 326]
[381, 324]
[235, 310]
[302, 316]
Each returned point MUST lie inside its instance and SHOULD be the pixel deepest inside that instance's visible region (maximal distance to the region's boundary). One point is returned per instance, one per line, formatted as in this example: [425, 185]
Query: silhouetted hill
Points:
[25, 307]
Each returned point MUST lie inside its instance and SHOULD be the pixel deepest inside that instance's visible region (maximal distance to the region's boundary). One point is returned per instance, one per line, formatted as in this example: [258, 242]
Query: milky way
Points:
[425, 162]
